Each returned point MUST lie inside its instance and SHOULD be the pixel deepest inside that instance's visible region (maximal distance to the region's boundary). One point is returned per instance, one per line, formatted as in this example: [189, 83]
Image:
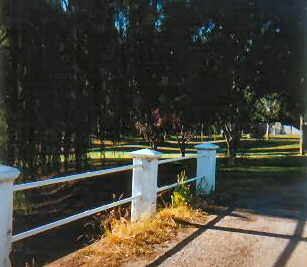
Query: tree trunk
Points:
[232, 139]
[302, 141]
[182, 149]
[181, 144]
[202, 132]
[66, 150]
[154, 145]
[267, 134]
[232, 150]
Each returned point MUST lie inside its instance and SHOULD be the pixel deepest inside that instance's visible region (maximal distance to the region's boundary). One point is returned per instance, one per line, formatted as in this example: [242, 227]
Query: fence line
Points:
[69, 219]
[164, 161]
[143, 199]
[164, 188]
[87, 213]
[73, 177]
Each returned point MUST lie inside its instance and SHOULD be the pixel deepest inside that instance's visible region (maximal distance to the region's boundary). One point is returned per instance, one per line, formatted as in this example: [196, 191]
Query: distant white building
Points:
[278, 128]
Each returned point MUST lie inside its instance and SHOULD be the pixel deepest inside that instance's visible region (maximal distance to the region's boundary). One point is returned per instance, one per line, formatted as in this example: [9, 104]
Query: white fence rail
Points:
[69, 219]
[143, 199]
[73, 177]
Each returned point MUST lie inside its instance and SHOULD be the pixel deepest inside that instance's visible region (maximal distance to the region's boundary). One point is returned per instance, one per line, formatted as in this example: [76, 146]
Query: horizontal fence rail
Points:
[167, 187]
[73, 177]
[69, 219]
[164, 161]
[87, 213]
[143, 199]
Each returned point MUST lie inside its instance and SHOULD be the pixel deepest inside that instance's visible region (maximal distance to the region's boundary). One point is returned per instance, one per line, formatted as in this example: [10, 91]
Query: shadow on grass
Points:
[274, 150]
[278, 183]
[286, 161]
[255, 146]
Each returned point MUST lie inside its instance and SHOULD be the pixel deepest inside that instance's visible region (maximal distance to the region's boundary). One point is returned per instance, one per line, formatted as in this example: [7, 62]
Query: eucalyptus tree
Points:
[79, 67]
[250, 47]
[268, 109]
[218, 59]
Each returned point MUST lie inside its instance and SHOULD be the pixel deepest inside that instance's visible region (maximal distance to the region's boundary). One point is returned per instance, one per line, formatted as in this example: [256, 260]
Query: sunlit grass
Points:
[251, 148]
[278, 147]
[281, 136]
[265, 155]
[133, 147]
[127, 155]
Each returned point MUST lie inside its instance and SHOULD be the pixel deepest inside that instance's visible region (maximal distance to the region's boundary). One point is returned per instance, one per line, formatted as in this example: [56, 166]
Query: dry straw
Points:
[126, 241]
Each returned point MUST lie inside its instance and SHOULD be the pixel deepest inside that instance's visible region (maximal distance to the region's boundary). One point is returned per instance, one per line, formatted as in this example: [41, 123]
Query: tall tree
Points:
[268, 109]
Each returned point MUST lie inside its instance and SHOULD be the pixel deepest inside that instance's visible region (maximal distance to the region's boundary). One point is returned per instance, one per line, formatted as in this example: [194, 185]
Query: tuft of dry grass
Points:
[127, 241]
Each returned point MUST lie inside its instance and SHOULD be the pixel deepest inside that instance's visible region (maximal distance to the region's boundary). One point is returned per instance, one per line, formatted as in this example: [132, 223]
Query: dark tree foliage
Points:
[76, 68]
[67, 77]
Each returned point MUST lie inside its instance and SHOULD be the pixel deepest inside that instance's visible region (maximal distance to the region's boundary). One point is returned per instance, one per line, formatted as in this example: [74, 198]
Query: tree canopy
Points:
[76, 68]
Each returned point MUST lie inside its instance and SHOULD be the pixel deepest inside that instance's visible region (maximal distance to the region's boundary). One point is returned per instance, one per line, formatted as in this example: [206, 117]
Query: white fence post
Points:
[206, 162]
[7, 178]
[144, 183]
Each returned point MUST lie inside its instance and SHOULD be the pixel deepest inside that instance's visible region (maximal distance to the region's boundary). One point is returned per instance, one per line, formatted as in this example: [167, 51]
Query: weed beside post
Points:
[182, 194]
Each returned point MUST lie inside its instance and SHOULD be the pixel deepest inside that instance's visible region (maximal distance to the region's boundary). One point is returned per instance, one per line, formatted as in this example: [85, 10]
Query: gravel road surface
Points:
[244, 239]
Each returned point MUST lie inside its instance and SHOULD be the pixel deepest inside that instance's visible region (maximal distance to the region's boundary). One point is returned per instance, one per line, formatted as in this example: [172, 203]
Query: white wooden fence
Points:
[143, 199]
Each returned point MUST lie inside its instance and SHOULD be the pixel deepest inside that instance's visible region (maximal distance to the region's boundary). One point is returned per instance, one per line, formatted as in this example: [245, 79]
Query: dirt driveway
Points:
[267, 228]
[240, 238]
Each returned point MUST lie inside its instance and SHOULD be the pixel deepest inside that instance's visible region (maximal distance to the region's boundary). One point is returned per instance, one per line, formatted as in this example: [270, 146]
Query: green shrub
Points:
[182, 194]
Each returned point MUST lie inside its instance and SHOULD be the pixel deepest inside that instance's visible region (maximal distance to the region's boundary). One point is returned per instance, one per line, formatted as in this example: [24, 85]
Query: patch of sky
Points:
[243, 58]
[270, 24]
[160, 7]
[121, 21]
[203, 33]
[64, 5]
[159, 22]
[160, 16]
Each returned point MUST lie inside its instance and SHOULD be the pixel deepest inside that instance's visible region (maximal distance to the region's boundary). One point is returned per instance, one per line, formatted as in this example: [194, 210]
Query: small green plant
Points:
[182, 195]
[21, 204]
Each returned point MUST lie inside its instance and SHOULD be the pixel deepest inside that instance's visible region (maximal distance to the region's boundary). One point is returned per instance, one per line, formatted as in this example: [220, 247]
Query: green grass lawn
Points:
[276, 146]
[261, 165]
[264, 167]
[268, 173]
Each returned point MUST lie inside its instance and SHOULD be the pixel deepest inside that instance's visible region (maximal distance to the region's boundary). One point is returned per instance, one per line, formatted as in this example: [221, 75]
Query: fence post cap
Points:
[207, 146]
[8, 174]
[146, 154]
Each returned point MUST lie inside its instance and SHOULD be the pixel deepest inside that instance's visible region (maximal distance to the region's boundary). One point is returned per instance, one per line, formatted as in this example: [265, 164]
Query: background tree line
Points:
[75, 68]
